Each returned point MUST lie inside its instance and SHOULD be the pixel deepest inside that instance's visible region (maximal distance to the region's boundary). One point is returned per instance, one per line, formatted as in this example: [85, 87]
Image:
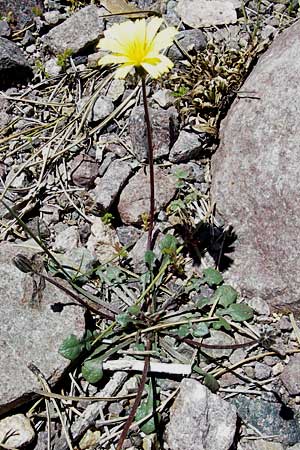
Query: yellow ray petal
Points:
[164, 38]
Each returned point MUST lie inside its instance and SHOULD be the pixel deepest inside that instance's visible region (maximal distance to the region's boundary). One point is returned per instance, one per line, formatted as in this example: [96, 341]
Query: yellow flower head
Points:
[137, 45]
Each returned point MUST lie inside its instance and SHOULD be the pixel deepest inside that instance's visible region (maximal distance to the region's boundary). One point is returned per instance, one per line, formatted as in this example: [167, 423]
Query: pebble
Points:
[185, 148]
[102, 108]
[261, 371]
[84, 170]
[16, 431]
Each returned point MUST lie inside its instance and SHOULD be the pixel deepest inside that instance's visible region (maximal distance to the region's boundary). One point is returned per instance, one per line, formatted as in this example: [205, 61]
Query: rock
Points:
[134, 199]
[200, 420]
[192, 171]
[103, 241]
[262, 371]
[217, 338]
[67, 239]
[4, 116]
[23, 12]
[66, 36]
[185, 148]
[16, 431]
[255, 177]
[29, 333]
[164, 98]
[269, 418]
[116, 89]
[206, 13]
[13, 64]
[188, 40]
[163, 124]
[52, 68]
[285, 324]
[290, 376]
[52, 17]
[111, 183]
[128, 235]
[79, 261]
[84, 170]
[102, 108]
[4, 29]
[294, 447]
[259, 444]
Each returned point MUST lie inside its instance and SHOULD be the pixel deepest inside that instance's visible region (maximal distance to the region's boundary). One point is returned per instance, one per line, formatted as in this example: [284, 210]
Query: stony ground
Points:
[74, 170]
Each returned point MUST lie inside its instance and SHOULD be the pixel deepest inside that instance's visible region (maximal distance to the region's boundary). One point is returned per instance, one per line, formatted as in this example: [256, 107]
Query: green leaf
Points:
[239, 312]
[168, 244]
[124, 319]
[226, 295]
[204, 301]
[144, 409]
[134, 310]
[211, 383]
[149, 258]
[194, 284]
[212, 277]
[183, 330]
[221, 323]
[92, 370]
[200, 330]
[71, 347]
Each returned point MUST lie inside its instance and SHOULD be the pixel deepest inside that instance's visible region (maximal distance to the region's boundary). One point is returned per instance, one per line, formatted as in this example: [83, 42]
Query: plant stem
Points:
[151, 166]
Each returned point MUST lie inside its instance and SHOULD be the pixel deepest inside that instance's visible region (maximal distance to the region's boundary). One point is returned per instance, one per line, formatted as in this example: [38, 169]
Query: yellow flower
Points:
[137, 45]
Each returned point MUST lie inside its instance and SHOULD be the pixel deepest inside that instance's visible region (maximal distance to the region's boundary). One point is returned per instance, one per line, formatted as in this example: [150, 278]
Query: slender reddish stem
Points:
[151, 166]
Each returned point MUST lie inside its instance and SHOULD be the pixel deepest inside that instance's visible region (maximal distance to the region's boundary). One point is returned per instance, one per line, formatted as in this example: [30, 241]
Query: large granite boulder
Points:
[256, 176]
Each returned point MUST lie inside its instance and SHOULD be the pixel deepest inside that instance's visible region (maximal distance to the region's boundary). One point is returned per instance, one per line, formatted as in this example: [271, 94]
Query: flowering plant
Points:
[138, 45]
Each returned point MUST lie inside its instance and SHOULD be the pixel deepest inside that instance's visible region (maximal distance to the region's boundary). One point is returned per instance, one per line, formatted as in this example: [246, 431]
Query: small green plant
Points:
[181, 91]
[37, 11]
[62, 58]
[107, 218]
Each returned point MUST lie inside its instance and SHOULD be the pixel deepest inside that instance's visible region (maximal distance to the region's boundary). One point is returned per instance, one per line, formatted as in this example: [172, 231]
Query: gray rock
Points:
[102, 108]
[203, 13]
[294, 447]
[134, 199]
[4, 116]
[84, 170]
[164, 98]
[259, 444]
[185, 148]
[255, 177]
[285, 324]
[67, 239]
[4, 29]
[193, 171]
[262, 371]
[52, 68]
[13, 64]
[116, 89]
[290, 376]
[16, 431]
[111, 183]
[52, 17]
[217, 338]
[128, 235]
[79, 261]
[188, 40]
[269, 418]
[102, 241]
[23, 11]
[31, 334]
[77, 32]
[200, 420]
[163, 124]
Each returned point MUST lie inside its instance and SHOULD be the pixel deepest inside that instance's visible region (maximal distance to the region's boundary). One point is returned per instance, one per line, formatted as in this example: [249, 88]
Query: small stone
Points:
[102, 108]
[13, 63]
[116, 89]
[259, 305]
[134, 199]
[277, 369]
[90, 440]
[290, 376]
[193, 171]
[84, 170]
[262, 371]
[217, 338]
[52, 68]
[52, 17]
[259, 444]
[128, 235]
[200, 420]
[4, 29]
[207, 14]
[238, 355]
[67, 239]
[163, 124]
[285, 324]
[16, 431]
[111, 183]
[164, 98]
[66, 36]
[185, 148]
[31, 49]
[103, 241]
[188, 40]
